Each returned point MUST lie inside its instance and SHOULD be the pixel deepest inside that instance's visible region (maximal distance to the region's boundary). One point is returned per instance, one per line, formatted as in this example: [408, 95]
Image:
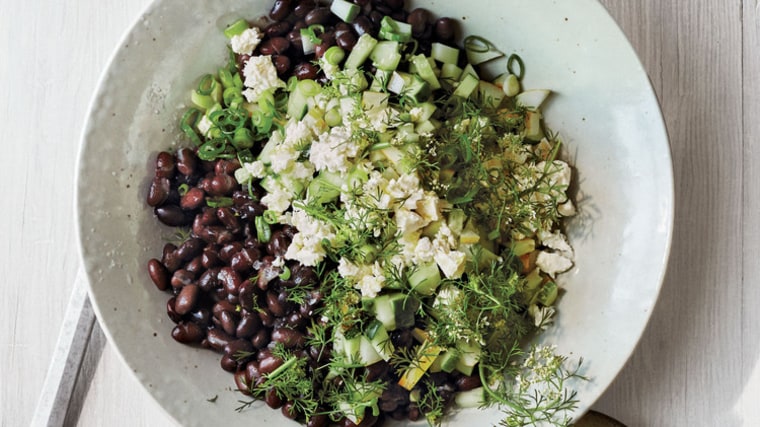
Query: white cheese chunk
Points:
[245, 42]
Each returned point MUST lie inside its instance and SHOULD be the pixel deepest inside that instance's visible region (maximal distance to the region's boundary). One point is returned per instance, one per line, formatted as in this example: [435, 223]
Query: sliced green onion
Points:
[333, 118]
[219, 202]
[261, 121]
[245, 156]
[271, 217]
[232, 97]
[242, 139]
[334, 55]
[494, 234]
[225, 76]
[515, 58]
[236, 28]
[263, 232]
[285, 275]
[202, 101]
[187, 124]
[480, 50]
[207, 85]
[183, 189]
[310, 33]
[212, 149]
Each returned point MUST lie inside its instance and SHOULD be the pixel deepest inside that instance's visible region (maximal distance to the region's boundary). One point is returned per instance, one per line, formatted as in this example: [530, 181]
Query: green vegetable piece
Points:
[467, 86]
[236, 28]
[361, 51]
[425, 279]
[344, 10]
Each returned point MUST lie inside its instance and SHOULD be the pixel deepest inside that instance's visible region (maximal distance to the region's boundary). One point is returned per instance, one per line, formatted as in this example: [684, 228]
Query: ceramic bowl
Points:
[603, 106]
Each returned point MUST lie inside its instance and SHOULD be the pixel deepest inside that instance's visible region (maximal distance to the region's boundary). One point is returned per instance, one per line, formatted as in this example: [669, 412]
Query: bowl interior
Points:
[603, 107]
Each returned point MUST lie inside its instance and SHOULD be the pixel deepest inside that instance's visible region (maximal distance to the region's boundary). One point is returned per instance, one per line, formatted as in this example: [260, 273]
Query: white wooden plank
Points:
[690, 356]
[748, 405]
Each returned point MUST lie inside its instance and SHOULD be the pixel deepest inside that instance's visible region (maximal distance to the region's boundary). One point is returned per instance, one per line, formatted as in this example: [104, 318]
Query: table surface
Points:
[698, 363]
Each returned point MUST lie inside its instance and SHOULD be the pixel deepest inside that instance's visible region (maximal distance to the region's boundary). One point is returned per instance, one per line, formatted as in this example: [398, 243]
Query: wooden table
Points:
[698, 363]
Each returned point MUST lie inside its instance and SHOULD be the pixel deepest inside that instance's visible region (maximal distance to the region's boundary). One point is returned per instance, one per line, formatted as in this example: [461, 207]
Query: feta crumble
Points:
[245, 42]
[260, 76]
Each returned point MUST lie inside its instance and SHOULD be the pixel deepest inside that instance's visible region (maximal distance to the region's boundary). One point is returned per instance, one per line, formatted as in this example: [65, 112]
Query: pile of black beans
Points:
[228, 291]
[282, 36]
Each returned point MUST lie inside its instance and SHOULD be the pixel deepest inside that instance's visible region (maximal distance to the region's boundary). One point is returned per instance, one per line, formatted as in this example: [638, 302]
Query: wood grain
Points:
[698, 363]
[690, 358]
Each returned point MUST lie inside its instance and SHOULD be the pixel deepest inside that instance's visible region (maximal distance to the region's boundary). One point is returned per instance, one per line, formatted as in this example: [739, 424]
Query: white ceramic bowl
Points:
[603, 107]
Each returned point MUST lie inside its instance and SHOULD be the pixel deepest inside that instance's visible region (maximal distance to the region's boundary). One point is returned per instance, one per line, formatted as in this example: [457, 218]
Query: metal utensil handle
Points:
[63, 373]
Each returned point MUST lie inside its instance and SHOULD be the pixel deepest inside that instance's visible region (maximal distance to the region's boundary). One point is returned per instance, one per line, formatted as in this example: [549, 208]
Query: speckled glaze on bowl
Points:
[603, 106]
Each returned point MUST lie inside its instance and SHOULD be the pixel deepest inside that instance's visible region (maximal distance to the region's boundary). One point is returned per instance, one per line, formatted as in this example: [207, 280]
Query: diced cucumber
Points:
[372, 100]
[522, 247]
[450, 73]
[456, 220]
[380, 81]
[471, 398]
[325, 187]
[344, 10]
[306, 41]
[490, 94]
[391, 29]
[384, 312]
[532, 282]
[427, 110]
[359, 350]
[380, 340]
[425, 71]
[404, 308]
[467, 86]
[469, 69]
[425, 279]
[532, 98]
[445, 54]
[448, 360]
[360, 52]
[424, 360]
[548, 294]
[533, 129]
[511, 86]
[385, 55]
[427, 127]
[398, 81]
[469, 355]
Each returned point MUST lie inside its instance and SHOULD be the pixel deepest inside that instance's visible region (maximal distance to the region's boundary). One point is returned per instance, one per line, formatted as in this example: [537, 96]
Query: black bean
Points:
[267, 318]
[269, 363]
[187, 333]
[277, 29]
[227, 217]
[201, 316]
[222, 185]
[318, 16]
[193, 199]
[228, 363]
[242, 383]
[215, 235]
[294, 37]
[189, 249]
[251, 210]
[229, 250]
[363, 25]
[221, 306]
[195, 266]
[296, 321]
[242, 350]
[158, 192]
[165, 165]
[289, 410]
[252, 371]
[278, 244]
[249, 325]
[209, 280]
[274, 46]
[228, 321]
[272, 399]
[465, 383]
[377, 370]
[218, 339]
[394, 4]
[186, 299]
[288, 337]
[261, 339]
[419, 19]
[243, 260]
[172, 215]
[247, 295]
[346, 40]
[275, 305]
[230, 279]
[318, 420]
[281, 64]
[182, 278]
[210, 257]
[304, 276]
[280, 10]
[158, 274]
[187, 161]
[414, 413]
[303, 8]
[267, 273]
[445, 29]
[171, 312]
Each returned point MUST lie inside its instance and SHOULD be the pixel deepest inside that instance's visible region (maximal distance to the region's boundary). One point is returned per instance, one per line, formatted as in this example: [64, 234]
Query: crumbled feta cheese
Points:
[452, 263]
[567, 208]
[334, 149]
[304, 250]
[278, 199]
[282, 158]
[370, 285]
[428, 207]
[260, 75]
[552, 263]
[406, 189]
[423, 251]
[408, 221]
[347, 269]
[556, 241]
[245, 42]
[204, 125]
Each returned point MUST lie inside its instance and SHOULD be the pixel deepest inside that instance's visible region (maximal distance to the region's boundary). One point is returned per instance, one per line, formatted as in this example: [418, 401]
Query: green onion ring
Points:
[189, 121]
[510, 65]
